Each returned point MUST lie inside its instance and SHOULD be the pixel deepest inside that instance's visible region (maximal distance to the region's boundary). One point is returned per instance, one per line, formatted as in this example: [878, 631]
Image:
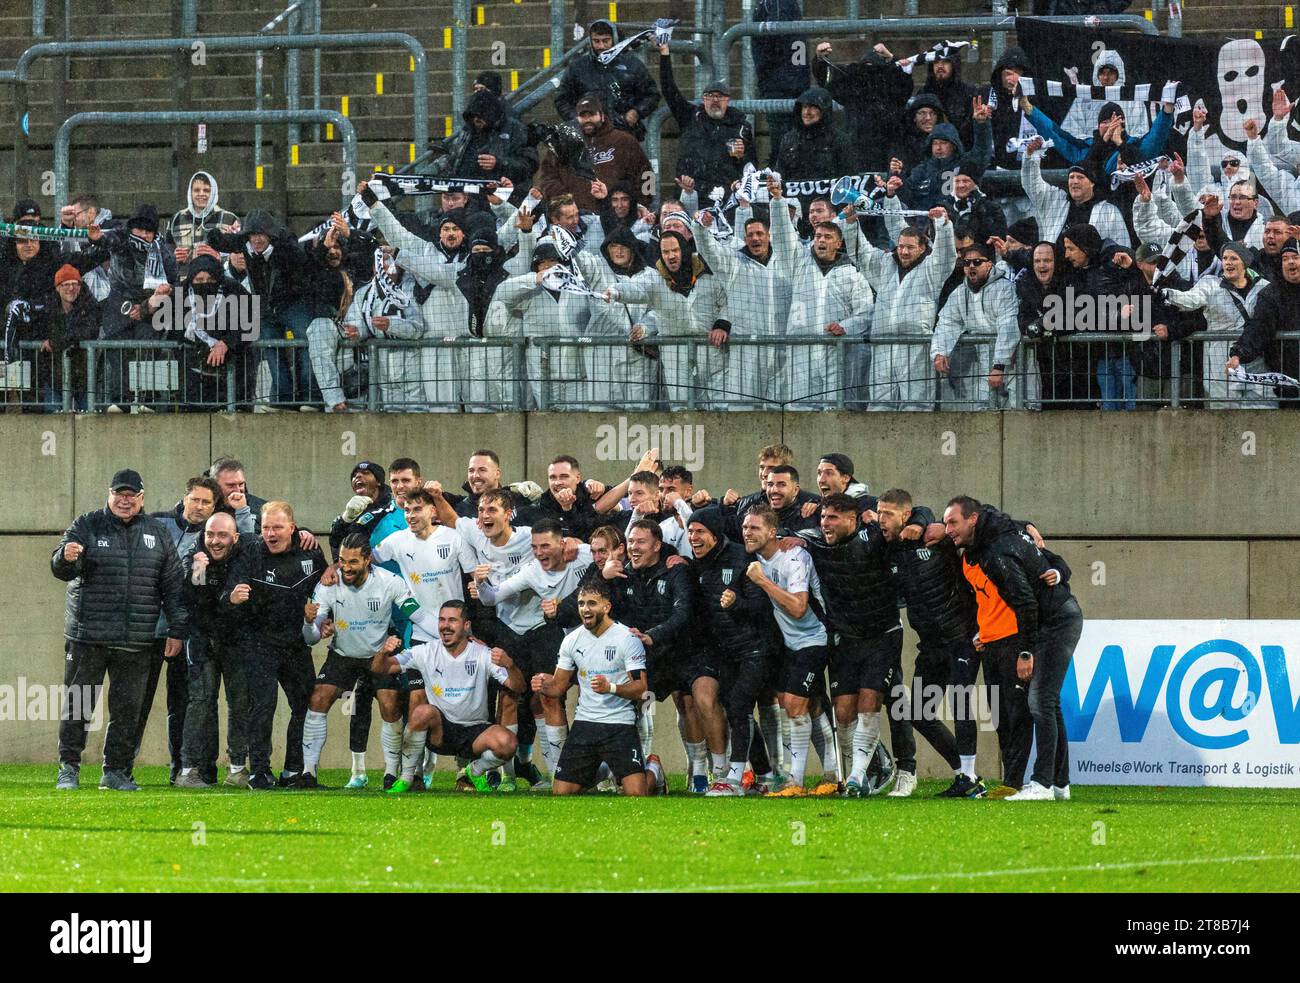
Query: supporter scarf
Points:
[662, 32]
[419, 184]
[394, 299]
[1274, 379]
[1146, 168]
[1181, 242]
[357, 215]
[941, 49]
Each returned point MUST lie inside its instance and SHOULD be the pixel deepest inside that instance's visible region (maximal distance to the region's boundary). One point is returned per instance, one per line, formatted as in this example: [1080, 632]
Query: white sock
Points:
[720, 766]
[412, 752]
[769, 725]
[690, 757]
[823, 739]
[358, 763]
[509, 766]
[865, 738]
[484, 763]
[800, 734]
[539, 725]
[390, 736]
[313, 740]
[968, 766]
[645, 728]
[185, 771]
[555, 737]
[736, 773]
[236, 769]
[845, 732]
[697, 760]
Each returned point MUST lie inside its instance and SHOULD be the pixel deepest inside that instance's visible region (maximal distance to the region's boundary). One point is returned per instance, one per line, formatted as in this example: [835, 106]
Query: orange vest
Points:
[996, 619]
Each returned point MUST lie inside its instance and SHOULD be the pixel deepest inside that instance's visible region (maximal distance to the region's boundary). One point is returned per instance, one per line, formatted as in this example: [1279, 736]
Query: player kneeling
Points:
[456, 717]
[610, 663]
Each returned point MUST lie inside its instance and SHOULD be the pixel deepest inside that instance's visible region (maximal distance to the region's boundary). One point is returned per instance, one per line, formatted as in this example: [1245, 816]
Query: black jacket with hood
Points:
[818, 151]
[780, 60]
[1006, 108]
[913, 144]
[277, 275]
[955, 95]
[873, 92]
[857, 582]
[926, 184]
[505, 138]
[747, 627]
[1278, 309]
[623, 84]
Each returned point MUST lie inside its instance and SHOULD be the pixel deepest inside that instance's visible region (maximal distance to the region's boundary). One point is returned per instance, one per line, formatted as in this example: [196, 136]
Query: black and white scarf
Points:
[1181, 242]
[1141, 92]
[393, 298]
[419, 184]
[940, 50]
[1145, 168]
[561, 279]
[1274, 379]
[662, 33]
[357, 215]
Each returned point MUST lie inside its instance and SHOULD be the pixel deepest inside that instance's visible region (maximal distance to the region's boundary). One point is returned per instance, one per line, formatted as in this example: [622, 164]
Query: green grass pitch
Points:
[1105, 839]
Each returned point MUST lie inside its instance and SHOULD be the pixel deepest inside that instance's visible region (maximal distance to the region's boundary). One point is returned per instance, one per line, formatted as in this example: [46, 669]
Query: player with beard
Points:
[609, 663]
[656, 602]
[537, 588]
[455, 717]
[646, 502]
[941, 610]
[853, 566]
[357, 613]
[835, 477]
[789, 580]
[768, 458]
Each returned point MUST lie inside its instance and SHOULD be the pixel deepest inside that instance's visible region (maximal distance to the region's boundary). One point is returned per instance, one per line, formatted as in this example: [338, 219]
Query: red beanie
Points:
[66, 273]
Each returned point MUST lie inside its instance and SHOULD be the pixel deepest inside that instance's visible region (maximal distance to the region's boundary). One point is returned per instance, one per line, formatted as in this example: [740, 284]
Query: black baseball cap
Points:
[126, 478]
[26, 209]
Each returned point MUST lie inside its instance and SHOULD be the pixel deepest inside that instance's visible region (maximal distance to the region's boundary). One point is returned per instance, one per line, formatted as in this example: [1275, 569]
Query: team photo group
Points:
[771, 620]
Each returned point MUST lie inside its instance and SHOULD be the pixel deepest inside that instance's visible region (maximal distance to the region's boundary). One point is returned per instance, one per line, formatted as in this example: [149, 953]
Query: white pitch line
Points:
[381, 883]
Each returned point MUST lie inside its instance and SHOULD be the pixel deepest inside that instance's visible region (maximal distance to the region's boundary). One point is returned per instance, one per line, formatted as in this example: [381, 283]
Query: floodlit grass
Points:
[165, 839]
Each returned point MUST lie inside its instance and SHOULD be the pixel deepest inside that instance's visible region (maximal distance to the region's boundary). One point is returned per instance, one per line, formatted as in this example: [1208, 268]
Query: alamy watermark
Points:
[678, 443]
[213, 315]
[1128, 313]
[24, 701]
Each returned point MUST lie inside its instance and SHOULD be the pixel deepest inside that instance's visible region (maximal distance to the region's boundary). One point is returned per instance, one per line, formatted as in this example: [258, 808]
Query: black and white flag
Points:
[1181, 242]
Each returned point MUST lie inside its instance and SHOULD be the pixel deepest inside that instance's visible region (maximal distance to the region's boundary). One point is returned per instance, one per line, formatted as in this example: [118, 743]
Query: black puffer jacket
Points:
[281, 584]
[702, 151]
[790, 519]
[857, 582]
[278, 279]
[1009, 558]
[940, 602]
[659, 601]
[818, 151]
[580, 521]
[505, 138]
[748, 625]
[128, 575]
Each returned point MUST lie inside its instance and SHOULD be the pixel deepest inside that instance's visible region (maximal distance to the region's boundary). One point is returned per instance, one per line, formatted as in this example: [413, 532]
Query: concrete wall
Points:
[1094, 482]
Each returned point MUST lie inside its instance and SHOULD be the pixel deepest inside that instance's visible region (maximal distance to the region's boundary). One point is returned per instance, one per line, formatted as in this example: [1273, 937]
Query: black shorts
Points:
[458, 739]
[346, 673]
[800, 669]
[534, 651]
[862, 663]
[588, 744]
[669, 674]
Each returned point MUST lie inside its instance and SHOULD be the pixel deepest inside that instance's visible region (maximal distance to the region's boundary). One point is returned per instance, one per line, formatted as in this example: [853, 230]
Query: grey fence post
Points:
[557, 30]
[291, 80]
[1176, 373]
[38, 18]
[373, 400]
[748, 76]
[67, 380]
[90, 379]
[459, 58]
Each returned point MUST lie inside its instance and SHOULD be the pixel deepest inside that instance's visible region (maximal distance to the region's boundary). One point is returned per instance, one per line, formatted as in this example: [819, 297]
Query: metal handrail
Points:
[63, 139]
[267, 28]
[235, 43]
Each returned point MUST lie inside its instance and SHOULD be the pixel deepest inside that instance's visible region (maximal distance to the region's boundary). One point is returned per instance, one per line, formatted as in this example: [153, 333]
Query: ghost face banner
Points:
[1233, 79]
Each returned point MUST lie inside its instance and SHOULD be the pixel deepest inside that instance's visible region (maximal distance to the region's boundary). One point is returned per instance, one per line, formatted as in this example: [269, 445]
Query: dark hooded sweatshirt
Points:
[702, 151]
[1006, 112]
[955, 95]
[623, 84]
[926, 184]
[505, 138]
[873, 92]
[818, 151]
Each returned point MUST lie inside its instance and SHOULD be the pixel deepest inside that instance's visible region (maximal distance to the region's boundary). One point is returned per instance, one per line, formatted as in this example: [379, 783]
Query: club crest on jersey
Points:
[471, 668]
[726, 576]
[923, 553]
[517, 558]
[149, 540]
[444, 552]
[373, 604]
[610, 652]
[663, 588]
[307, 566]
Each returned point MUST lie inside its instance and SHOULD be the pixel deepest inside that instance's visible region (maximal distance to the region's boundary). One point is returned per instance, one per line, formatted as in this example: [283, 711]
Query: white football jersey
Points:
[456, 684]
[505, 560]
[793, 571]
[531, 581]
[362, 614]
[613, 654]
[431, 567]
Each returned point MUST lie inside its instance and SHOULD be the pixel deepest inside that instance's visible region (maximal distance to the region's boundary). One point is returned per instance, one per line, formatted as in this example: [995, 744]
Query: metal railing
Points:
[291, 14]
[1080, 371]
[63, 139]
[250, 44]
